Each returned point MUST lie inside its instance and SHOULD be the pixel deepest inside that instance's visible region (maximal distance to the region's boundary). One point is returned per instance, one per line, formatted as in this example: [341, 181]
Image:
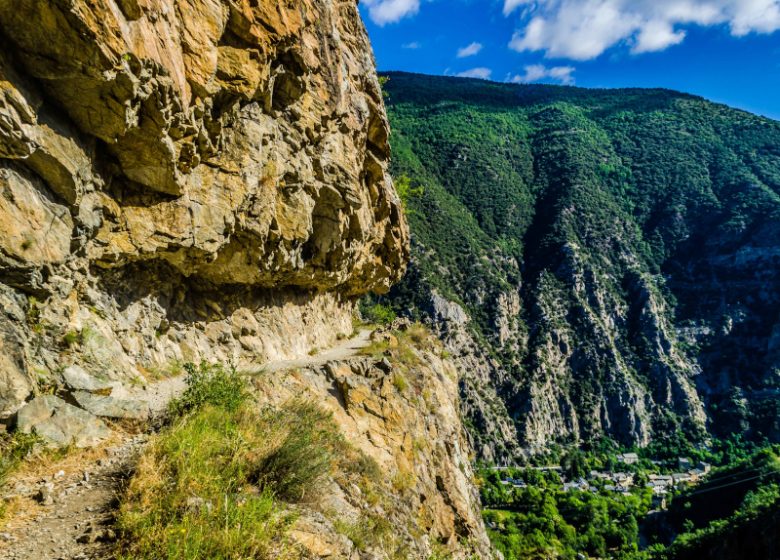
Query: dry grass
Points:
[155, 373]
[218, 482]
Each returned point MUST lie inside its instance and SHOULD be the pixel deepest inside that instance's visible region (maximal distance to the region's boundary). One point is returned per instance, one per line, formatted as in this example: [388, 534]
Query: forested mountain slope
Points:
[601, 262]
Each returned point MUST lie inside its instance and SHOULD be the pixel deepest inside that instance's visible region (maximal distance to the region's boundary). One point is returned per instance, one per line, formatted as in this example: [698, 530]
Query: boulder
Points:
[112, 407]
[77, 379]
[60, 423]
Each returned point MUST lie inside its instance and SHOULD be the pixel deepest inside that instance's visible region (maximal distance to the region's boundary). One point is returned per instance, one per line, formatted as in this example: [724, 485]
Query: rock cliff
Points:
[398, 405]
[185, 180]
[206, 180]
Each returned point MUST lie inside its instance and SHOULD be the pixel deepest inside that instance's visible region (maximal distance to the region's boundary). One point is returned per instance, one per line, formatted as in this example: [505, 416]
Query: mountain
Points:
[599, 262]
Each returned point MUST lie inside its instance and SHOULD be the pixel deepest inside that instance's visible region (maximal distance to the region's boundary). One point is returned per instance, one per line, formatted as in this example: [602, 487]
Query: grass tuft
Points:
[305, 456]
[13, 450]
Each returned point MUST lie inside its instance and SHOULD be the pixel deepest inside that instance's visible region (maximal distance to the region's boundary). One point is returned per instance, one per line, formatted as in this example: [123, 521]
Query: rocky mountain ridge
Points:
[607, 257]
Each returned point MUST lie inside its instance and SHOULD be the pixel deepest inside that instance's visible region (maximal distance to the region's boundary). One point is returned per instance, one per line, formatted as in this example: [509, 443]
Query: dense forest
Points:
[614, 254]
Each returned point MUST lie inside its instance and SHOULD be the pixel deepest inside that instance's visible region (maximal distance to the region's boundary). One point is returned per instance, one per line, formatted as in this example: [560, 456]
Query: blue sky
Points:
[725, 50]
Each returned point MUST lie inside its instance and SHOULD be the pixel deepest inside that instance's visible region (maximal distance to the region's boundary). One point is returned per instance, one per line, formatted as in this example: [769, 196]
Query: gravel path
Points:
[68, 514]
[344, 350]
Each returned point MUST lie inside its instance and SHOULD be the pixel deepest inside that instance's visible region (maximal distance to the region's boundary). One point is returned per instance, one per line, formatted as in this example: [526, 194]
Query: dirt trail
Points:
[68, 514]
[344, 350]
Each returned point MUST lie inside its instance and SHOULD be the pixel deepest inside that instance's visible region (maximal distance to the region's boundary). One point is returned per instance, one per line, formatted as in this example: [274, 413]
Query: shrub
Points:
[212, 384]
[305, 455]
[380, 314]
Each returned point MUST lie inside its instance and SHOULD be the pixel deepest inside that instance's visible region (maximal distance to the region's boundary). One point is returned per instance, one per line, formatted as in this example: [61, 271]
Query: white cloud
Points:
[470, 50]
[656, 36]
[511, 5]
[383, 12]
[537, 72]
[584, 29]
[481, 73]
[414, 45]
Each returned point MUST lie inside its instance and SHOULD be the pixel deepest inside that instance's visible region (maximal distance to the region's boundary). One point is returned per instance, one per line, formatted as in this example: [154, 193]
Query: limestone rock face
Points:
[401, 410]
[179, 176]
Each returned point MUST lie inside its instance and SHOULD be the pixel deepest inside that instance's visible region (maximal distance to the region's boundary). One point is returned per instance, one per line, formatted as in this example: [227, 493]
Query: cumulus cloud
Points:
[414, 45]
[481, 73]
[383, 12]
[584, 29]
[470, 50]
[537, 72]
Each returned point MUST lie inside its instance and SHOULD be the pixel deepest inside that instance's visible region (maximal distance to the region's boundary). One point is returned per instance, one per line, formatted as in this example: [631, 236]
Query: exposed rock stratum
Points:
[186, 180]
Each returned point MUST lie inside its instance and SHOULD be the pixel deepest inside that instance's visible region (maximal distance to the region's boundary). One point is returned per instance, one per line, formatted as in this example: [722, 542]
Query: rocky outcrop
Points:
[60, 423]
[399, 407]
[186, 180]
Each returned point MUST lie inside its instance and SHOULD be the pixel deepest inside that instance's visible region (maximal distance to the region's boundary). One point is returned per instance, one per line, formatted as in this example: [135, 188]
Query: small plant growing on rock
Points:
[400, 382]
[404, 480]
[212, 384]
[71, 339]
[34, 315]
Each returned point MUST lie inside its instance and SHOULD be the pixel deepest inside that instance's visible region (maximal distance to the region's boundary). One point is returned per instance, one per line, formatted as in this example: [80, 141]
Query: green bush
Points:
[212, 384]
[379, 314]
